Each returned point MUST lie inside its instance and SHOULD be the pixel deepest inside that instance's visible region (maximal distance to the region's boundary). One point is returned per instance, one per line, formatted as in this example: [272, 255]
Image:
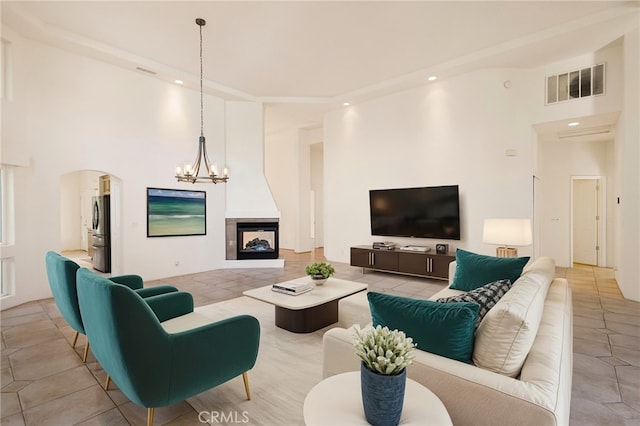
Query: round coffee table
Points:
[337, 400]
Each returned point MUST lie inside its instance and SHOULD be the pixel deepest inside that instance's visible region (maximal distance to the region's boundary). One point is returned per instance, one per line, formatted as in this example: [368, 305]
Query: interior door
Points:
[585, 221]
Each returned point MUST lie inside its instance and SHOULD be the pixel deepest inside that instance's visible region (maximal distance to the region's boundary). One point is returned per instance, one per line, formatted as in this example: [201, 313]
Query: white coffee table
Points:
[337, 400]
[309, 311]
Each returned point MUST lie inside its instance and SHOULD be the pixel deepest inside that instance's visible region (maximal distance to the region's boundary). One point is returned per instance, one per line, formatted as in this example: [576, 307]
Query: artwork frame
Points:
[176, 212]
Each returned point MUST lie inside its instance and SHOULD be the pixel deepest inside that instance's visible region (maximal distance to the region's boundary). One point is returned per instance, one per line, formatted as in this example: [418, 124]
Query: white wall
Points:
[281, 170]
[629, 160]
[70, 211]
[71, 113]
[317, 186]
[306, 138]
[288, 169]
[454, 132]
[562, 160]
[248, 193]
[558, 161]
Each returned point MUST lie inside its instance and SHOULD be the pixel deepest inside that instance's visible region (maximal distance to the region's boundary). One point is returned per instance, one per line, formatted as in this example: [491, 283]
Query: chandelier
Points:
[190, 172]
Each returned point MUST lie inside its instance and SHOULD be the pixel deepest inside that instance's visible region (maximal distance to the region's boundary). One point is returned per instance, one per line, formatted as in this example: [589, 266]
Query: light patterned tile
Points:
[625, 341]
[14, 420]
[581, 321]
[593, 367]
[29, 334]
[588, 333]
[586, 412]
[55, 386]
[71, 408]
[622, 409]
[112, 417]
[627, 355]
[26, 309]
[38, 361]
[629, 377]
[137, 415]
[594, 388]
[10, 403]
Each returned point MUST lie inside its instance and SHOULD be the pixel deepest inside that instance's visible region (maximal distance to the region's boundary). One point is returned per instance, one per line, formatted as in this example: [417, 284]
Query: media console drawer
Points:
[428, 264]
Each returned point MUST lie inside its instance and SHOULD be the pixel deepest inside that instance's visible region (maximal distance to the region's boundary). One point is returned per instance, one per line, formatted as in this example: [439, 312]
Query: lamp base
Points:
[506, 252]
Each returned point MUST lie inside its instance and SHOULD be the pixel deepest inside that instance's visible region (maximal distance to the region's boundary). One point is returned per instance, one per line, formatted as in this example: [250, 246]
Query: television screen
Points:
[427, 212]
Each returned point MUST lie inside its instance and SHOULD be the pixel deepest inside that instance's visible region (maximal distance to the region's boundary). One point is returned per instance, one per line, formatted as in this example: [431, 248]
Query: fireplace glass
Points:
[257, 240]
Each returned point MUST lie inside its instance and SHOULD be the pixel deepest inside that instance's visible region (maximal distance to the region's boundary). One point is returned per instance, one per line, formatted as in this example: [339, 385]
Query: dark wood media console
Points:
[424, 264]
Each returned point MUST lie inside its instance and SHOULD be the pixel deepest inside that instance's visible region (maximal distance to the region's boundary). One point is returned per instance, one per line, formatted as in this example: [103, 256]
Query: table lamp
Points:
[507, 233]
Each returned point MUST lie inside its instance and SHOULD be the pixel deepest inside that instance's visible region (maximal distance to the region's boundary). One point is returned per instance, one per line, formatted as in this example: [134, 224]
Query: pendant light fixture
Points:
[190, 172]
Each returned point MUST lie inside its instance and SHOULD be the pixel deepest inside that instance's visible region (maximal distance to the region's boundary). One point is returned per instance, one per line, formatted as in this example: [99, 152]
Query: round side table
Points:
[337, 400]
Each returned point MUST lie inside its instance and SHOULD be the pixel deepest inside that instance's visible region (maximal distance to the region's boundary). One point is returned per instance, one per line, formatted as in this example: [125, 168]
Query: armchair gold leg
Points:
[86, 352]
[106, 383]
[150, 417]
[75, 339]
[245, 378]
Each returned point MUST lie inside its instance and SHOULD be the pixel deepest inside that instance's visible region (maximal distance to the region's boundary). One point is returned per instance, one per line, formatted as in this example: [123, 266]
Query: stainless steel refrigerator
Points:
[101, 243]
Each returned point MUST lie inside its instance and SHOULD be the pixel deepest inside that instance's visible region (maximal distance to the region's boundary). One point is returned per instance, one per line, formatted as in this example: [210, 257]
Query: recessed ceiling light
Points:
[573, 123]
[346, 104]
[179, 82]
[432, 78]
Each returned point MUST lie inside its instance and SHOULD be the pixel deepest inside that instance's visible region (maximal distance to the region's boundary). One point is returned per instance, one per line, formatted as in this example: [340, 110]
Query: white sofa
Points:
[480, 393]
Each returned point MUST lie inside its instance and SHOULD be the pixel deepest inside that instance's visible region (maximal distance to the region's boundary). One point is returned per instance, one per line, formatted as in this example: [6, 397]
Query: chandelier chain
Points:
[201, 90]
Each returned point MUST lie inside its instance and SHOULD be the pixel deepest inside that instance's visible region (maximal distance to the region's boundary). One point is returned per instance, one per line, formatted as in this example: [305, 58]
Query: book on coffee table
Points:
[292, 287]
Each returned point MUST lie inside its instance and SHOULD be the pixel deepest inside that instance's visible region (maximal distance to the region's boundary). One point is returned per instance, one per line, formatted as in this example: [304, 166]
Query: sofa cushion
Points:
[475, 270]
[445, 329]
[486, 297]
[506, 334]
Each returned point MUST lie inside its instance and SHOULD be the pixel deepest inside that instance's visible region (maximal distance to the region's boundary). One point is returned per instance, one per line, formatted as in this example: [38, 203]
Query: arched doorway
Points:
[77, 192]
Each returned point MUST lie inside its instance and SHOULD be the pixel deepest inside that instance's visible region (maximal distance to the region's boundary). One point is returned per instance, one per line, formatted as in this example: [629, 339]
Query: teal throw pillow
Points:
[445, 329]
[475, 270]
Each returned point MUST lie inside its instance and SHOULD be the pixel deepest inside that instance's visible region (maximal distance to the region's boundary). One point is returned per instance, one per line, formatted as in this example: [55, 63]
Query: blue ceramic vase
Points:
[382, 396]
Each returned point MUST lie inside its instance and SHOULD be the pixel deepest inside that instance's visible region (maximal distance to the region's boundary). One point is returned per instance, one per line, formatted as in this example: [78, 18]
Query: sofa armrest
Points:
[338, 352]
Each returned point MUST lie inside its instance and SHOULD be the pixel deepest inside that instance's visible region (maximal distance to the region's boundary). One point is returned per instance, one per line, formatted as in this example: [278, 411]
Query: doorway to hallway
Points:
[588, 220]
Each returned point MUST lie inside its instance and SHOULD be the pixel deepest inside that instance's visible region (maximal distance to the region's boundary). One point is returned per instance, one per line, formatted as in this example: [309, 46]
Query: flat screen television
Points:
[426, 212]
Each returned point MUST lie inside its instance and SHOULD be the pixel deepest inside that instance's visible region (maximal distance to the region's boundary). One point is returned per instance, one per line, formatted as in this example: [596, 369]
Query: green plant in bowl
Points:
[320, 270]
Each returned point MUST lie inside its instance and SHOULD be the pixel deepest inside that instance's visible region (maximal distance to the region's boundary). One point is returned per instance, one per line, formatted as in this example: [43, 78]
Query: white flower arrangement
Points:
[384, 351]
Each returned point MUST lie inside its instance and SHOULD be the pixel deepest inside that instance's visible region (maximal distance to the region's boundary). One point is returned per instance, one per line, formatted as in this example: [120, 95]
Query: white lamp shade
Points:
[507, 232]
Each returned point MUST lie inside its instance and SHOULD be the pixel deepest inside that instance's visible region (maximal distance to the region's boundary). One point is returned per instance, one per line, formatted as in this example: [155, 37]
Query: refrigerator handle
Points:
[96, 215]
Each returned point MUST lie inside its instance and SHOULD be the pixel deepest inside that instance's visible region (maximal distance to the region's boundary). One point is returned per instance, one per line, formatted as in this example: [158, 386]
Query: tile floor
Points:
[43, 381]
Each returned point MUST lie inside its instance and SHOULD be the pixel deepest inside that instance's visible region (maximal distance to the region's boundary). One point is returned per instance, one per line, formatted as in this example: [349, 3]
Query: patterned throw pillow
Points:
[486, 296]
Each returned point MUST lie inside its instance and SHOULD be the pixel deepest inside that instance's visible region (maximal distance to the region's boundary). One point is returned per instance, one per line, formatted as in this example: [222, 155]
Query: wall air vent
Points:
[591, 131]
[576, 84]
[146, 70]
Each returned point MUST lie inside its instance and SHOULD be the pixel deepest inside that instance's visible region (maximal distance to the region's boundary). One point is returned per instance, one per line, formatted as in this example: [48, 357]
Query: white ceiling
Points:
[317, 55]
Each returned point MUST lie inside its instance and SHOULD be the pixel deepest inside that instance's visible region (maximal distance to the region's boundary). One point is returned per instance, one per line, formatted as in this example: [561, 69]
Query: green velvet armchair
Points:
[61, 272]
[152, 367]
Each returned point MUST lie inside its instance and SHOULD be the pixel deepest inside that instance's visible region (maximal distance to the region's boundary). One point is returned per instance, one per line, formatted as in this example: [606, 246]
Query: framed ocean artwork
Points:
[176, 212]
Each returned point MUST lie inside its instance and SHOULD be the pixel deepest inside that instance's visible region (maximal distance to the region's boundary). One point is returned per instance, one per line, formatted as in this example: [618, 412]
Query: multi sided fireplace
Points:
[257, 240]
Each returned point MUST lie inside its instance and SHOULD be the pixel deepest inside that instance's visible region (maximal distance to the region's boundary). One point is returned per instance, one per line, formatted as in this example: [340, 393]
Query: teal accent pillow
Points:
[445, 329]
[475, 270]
